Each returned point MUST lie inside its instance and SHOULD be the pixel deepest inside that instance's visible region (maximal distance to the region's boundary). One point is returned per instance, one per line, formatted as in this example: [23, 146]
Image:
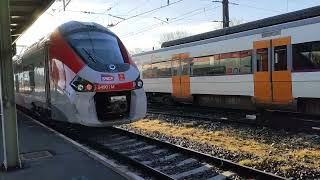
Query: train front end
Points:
[101, 84]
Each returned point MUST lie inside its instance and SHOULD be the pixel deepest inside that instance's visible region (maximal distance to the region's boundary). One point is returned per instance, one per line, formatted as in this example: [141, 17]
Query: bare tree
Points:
[235, 21]
[136, 51]
[173, 36]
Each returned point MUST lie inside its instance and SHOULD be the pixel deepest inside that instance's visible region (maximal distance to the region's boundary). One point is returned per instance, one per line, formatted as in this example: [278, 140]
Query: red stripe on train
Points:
[61, 50]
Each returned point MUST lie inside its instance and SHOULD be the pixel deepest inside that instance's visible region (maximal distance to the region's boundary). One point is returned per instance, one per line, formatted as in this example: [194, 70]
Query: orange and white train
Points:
[273, 63]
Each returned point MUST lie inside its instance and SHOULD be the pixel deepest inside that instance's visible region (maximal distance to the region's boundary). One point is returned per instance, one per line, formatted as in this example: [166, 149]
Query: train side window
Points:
[185, 67]
[175, 67]
[262, 60]
[147, 71]
[306, 56]
[246, 62]
[162, 69]
[216, 67]
[223, 66]
[205, 66]
[26, 82]
[280, 58]
[227, 63]
[200, 66]
[231, 62]
[16, 80]
[32, 83]
[20, 76]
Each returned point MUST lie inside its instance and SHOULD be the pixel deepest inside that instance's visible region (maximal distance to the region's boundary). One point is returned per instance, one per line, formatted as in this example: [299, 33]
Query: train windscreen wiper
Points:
[89, 54]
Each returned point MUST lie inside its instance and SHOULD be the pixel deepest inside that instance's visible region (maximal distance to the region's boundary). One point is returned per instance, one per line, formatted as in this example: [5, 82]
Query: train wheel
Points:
[263, 116]
[168, 100]
[195, 101]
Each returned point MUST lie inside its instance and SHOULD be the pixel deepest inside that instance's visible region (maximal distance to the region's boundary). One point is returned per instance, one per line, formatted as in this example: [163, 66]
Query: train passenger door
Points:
[272, 76]
[181, 76]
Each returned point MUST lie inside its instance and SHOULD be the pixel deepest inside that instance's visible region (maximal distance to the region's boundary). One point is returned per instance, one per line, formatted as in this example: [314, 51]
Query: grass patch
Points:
[231, 141]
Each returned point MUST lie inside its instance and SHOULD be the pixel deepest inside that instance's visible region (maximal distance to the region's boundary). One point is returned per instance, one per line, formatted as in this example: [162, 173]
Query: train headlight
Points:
[81, 85]
[139, 83]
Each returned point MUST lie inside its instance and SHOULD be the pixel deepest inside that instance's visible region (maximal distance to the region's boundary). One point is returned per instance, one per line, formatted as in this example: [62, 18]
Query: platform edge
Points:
[94, 155]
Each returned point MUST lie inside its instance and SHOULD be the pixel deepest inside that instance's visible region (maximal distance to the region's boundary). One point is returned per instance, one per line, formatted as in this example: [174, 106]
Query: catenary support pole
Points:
[8, 108]
[64, 5]
[225, 13]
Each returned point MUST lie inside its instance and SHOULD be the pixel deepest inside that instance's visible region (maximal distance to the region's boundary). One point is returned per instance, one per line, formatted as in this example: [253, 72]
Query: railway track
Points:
[163, 160]
[156, 159]
[207, 117]
[273, 119]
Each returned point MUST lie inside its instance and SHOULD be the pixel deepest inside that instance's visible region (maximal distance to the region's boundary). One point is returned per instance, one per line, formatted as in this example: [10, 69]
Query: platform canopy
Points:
[23, 13]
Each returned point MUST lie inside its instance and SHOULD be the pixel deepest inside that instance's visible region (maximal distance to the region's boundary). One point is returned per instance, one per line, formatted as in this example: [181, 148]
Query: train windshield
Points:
[97, 48]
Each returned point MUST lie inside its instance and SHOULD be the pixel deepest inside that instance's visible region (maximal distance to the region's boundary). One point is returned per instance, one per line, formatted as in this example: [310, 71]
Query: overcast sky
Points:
[143, 31]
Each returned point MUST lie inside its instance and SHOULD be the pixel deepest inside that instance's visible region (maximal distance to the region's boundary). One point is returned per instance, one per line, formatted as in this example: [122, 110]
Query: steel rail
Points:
[80, 134]
[123, 158]
[225, 164]
[293, 121]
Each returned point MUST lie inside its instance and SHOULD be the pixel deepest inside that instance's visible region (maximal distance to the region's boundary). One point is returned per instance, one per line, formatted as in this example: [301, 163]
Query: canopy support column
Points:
[8, 107]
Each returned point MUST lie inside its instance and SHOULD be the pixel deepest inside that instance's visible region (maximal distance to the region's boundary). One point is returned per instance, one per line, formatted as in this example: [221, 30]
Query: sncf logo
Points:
[106, 77]
[121, 77]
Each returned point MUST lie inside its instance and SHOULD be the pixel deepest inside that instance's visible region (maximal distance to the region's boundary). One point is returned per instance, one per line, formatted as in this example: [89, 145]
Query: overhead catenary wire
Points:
[147, 12]
[176, 19]
[172, 20]
[260, 8]
[131, 17]
[256, 7]
[149, 28]
[137, 7]
[114, 5]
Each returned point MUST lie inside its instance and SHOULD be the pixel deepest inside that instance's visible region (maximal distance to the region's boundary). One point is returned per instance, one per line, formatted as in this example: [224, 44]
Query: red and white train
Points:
[273, 63]
[81, 73]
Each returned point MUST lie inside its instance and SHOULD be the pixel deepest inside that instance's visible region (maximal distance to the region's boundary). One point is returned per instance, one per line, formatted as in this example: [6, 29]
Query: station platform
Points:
[46, 155]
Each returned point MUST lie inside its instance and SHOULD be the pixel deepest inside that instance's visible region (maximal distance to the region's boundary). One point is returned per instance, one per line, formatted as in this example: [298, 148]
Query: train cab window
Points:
[280, 58]
[262, 60]
[306, 56]
[98, 49]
